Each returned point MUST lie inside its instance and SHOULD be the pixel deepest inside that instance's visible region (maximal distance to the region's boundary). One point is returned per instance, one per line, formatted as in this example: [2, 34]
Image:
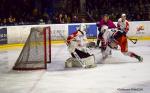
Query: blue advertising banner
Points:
[91, 30]
[3, 36]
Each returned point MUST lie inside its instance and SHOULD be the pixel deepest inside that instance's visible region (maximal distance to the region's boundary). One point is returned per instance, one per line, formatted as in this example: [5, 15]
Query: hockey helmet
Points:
[104, 28]
[123, 15]
[82, 27]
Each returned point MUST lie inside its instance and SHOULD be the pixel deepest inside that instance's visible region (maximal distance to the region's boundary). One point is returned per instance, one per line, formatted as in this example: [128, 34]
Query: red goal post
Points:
[36, 52]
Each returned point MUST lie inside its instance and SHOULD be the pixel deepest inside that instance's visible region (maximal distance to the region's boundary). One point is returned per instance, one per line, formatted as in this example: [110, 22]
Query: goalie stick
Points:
[75, 54]
[79, 60]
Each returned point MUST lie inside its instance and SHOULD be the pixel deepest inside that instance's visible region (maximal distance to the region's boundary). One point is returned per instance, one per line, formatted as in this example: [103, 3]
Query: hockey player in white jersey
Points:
[77, 46]
[123, 24]
[113, 38]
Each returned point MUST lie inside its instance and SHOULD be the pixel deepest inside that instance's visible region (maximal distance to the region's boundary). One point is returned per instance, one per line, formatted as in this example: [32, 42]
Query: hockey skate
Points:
[140, 59]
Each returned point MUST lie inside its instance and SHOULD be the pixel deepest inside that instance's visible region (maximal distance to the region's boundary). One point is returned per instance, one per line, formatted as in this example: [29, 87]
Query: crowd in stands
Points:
[136, 10]
[25, 12]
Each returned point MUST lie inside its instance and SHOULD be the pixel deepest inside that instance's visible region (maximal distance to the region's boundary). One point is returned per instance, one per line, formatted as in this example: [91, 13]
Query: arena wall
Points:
[19, 34]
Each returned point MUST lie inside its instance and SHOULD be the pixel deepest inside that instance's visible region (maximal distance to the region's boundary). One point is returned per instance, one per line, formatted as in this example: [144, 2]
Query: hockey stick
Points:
[139, 28]
[75, 54]
[134, 41]
[79, 60]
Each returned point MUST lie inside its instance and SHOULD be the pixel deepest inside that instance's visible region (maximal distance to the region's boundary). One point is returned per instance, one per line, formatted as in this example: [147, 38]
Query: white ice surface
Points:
[118, 72]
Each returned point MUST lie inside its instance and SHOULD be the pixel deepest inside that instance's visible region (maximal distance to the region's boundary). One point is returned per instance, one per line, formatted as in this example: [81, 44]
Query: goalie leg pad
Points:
[73, 62]
[89, 61]
[80, 53]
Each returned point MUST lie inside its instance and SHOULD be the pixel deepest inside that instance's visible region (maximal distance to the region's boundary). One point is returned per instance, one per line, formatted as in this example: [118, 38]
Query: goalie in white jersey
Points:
[77, 46]
[113, 38]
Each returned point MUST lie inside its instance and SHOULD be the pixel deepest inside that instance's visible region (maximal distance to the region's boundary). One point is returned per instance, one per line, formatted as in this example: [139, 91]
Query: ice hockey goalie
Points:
[77, 46]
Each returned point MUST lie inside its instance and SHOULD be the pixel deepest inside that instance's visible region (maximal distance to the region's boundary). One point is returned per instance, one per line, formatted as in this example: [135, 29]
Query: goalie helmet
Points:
[82, 27]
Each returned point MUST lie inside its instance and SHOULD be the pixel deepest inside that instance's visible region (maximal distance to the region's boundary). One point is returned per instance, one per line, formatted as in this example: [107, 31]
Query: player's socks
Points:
[98, 41]
[137, 57]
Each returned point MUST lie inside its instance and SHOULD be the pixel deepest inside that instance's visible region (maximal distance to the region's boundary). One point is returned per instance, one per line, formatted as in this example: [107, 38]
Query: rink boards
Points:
[19, 34]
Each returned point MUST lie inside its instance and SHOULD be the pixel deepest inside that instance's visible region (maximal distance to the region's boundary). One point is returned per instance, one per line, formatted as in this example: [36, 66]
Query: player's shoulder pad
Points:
[119, 20]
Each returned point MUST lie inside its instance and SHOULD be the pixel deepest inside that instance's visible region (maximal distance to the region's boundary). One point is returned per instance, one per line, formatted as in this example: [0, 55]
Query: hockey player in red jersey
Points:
[77, 46]
[111, 39]
[123, 24]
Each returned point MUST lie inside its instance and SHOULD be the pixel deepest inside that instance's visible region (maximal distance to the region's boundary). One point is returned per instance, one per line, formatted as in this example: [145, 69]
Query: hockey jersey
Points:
[77, 40]
[109, 23]
[123, 25]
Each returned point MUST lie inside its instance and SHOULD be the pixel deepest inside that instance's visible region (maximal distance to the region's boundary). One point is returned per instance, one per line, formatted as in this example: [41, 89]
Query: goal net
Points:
[36, 51]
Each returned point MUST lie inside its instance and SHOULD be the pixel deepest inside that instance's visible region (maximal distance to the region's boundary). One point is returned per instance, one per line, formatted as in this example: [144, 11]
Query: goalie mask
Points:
[82, 28]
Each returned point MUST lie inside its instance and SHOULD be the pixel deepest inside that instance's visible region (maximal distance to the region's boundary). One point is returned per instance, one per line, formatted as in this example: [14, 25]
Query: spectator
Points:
[83, 20]
[75, 19]
[5, 21]
[31, 11]
[11, 20]
[45, 17]
[66, 19]
[1, 22]
[61, 18]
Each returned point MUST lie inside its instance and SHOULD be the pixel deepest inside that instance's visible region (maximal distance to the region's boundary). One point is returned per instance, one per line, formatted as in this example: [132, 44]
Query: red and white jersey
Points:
[76, 40]
[123, 25]
[77, 36]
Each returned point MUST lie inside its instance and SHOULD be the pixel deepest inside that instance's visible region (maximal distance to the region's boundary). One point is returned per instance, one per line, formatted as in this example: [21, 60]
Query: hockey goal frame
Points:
[47, 47]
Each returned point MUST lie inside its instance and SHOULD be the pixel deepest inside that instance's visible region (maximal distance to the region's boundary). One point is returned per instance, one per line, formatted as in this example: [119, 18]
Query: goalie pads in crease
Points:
[89, 62]
[80, 53]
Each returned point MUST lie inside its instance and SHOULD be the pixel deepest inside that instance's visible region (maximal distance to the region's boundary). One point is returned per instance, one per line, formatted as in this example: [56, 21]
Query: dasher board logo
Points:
[3, 35]
[91, 30]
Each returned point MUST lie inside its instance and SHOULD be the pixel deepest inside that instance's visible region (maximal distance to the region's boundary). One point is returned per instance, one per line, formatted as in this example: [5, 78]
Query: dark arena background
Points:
[73, 46]
[22, 12]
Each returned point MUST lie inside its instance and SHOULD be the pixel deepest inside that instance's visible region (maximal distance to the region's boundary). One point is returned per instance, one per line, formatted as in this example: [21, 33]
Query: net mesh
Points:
[36, 51]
